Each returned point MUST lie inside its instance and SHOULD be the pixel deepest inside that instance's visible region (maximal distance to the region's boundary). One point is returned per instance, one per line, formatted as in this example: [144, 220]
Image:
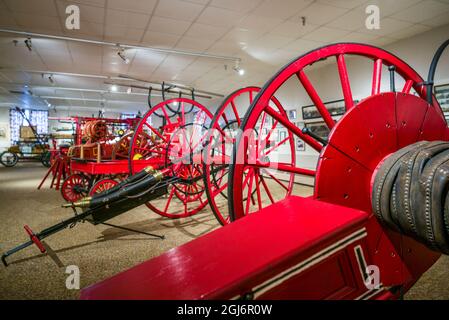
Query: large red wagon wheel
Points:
[247, 158]
[153, 141]
[75, 187]
[102, 185]
[224, 128]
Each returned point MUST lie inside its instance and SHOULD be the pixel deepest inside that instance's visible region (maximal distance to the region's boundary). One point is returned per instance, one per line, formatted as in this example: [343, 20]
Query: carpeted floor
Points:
[101, 251]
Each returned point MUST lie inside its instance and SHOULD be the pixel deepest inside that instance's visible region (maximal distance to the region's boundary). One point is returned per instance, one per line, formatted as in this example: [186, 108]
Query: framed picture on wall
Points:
[442, 95]
[319, 128]
[291, 114]
[282, 135]
[335, 108]
[300, 145]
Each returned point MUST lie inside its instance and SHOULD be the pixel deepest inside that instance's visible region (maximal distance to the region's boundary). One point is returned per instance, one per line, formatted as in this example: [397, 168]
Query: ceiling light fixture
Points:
[121, 53]
[114, 88]
[29, 44]
[239, 70]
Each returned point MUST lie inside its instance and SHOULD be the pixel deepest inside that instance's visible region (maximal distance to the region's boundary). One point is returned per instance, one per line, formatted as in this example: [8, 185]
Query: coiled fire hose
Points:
[410, 193]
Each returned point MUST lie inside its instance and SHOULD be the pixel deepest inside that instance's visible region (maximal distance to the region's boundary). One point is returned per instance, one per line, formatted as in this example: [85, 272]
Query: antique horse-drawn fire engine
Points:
[380, 196]
[166, 162]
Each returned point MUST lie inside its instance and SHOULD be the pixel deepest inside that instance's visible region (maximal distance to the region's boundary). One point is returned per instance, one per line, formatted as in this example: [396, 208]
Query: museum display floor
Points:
[101, 251]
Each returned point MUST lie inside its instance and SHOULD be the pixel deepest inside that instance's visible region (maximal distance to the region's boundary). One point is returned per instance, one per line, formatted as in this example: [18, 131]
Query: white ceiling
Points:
[265, 34]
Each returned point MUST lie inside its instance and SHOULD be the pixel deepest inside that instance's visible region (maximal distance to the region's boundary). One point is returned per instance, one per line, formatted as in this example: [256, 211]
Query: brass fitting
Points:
[149, 169]
[158, 175]
[83, 203]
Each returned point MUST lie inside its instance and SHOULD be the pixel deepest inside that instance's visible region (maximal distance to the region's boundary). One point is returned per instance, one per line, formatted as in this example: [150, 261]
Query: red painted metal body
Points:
[112, 167]
[217, 266]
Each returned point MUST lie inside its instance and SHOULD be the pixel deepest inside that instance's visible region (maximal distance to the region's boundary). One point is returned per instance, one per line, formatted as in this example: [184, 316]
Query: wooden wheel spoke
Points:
[277, 145]
[249, 196]
[259, 197]
[377, 76]
[172, 192]
[234, 108]
[267, 190]
[316, 99]
[344, 79]
[276, 179]
[407, 86]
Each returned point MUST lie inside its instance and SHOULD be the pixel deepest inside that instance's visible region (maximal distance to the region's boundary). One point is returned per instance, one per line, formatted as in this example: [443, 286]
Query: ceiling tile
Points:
[255, 23]
[388, 7]
[351, 21]
[198, 30]
[325, 34]
[7, 21]
[348, 4]
[38, 23]
[292, 29]
[437, 21]
[301, 45]
[280, 9]
[123, 34]
[35, 7]
[170, 26]
[225, 47]
[382, 41]
[128, 19]
[387, 26]
[320, 13]
[97, 3]
[238, 35]
[194, 44]
[358, 37]
[236, 5]
[160, 39]
[179, 62]
[90, 29]
[409, 31]
[197, 1]
[89, 13]
[219, 17]
[140, 6]
[422, 11]
[177, 9]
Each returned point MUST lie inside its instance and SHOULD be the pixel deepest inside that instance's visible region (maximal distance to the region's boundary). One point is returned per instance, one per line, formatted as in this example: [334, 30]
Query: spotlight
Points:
[239, 70]
[122, 55]
[114, 88]
[129, 90]
[29, 44]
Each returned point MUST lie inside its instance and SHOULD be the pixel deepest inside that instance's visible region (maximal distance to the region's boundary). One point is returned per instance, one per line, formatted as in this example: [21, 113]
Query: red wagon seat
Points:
[233, 259]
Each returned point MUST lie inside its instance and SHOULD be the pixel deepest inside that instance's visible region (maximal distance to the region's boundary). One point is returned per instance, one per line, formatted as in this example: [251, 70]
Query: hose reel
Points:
[410, 193]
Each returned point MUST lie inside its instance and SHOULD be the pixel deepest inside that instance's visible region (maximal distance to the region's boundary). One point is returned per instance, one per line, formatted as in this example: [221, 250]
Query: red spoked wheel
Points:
[224, 127]
[247, 156]
[102, 185]
[169, 143]
[75, 187]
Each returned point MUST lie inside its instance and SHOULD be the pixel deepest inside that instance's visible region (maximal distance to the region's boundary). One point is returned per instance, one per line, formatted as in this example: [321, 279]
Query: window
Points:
[38, 118]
